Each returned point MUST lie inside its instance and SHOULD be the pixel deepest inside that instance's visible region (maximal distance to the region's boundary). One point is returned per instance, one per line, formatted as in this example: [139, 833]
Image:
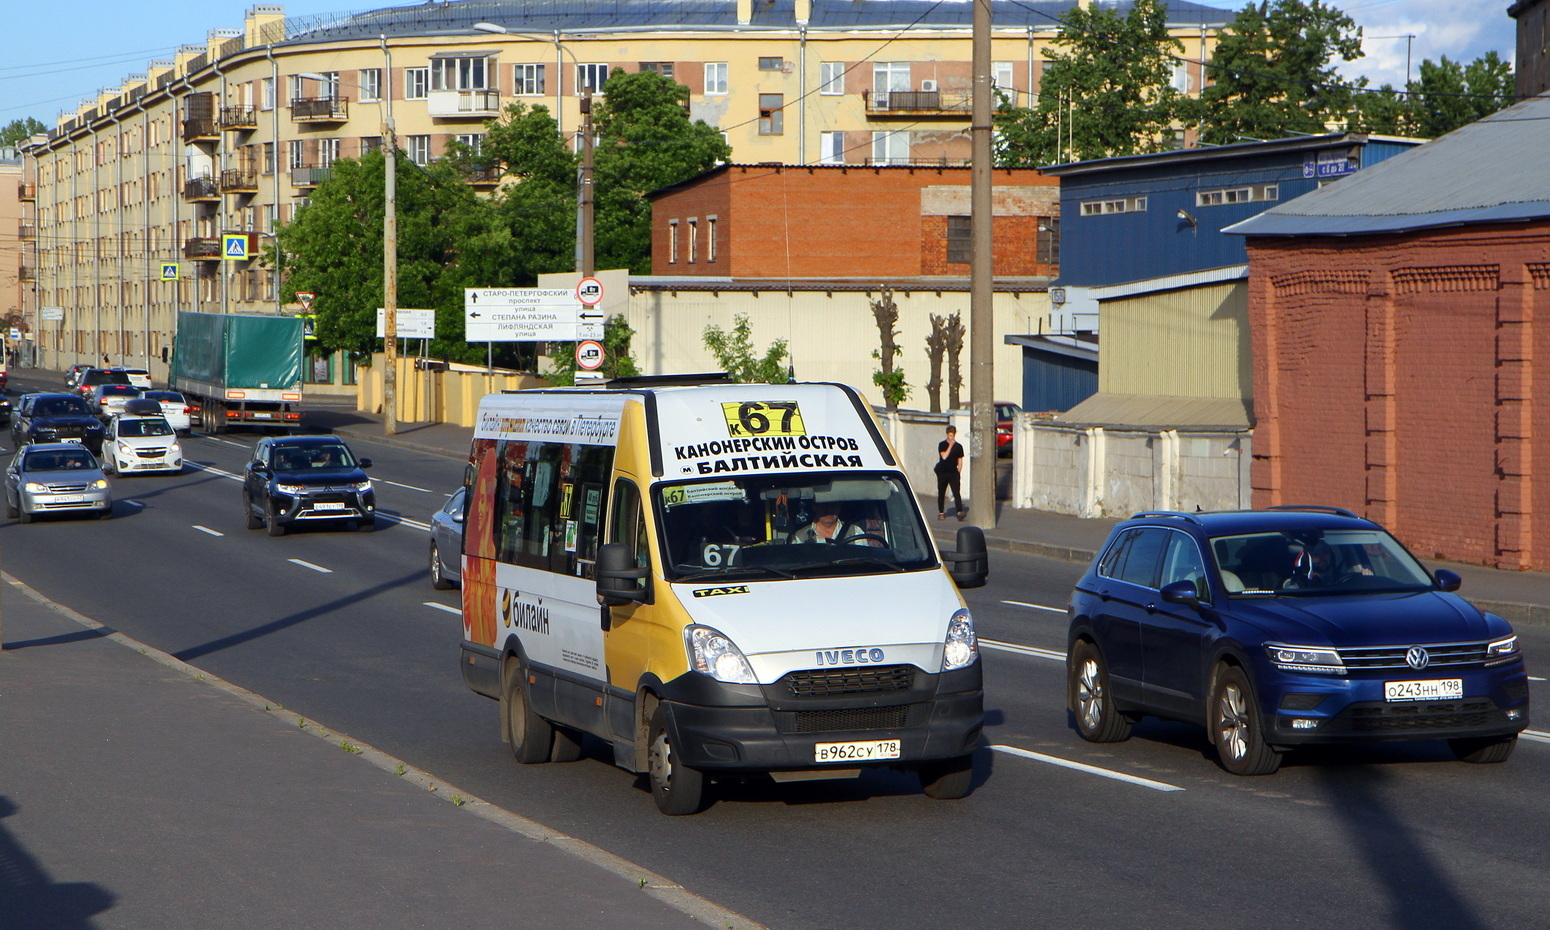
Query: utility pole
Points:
[584, 199]
[982, 423]
[389, 251]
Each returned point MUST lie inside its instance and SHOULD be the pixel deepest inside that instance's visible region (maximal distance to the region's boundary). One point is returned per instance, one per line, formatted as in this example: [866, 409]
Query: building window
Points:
[591, 76]
[1123, 205]
[417, 82]
[370, 144]
[891, 148]
[772, 64]
[960, 236]
[1001, 76]
[694, 240]
[371, 83]
[529, 80]
[664, 68]
[1229, 195]
[831, 78]
[328, 152]
[1049, 240]
[831, 148]
[715, 77]
[459, 74]
[771, 119]
[266, 95]
[328, 87]
[268, 158]
[474, 141]
[672, 242]
[292, 89]
[710, 238]
[887, 77]
[419, 149]
[296, 155]
[1180, 79]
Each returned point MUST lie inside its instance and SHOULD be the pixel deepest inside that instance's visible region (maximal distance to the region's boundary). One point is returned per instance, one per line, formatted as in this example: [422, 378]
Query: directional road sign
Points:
[522, 314]
[411, 324]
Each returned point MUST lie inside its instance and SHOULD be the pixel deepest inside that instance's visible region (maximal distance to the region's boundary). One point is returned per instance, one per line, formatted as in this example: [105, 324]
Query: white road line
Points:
[206, 529]
[214, 470]
[1535, 678]
[1538, 736]
[1056, 610]
[316, 568]
[1089, 769]
[450, 610]
[1024, 650]
[390, 518]
[409, 486]
[134, 503]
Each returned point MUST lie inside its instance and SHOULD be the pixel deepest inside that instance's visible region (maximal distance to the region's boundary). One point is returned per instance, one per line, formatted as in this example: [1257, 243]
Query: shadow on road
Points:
[30, 899]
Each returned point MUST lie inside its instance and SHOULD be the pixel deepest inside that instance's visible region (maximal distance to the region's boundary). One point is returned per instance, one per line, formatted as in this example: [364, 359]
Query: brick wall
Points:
[1394, 376]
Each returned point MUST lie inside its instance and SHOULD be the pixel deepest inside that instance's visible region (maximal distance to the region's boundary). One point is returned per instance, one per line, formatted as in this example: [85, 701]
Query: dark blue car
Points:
[1282, 628]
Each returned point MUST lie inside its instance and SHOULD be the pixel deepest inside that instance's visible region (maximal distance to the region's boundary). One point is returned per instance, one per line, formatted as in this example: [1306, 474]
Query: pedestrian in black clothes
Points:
[949, 469]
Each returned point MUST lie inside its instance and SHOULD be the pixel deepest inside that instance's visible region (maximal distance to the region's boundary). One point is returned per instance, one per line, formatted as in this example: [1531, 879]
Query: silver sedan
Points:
[447, 543]
[55, 477]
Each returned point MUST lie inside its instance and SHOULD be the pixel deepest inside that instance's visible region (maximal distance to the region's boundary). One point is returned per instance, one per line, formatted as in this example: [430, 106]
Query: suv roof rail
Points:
[1317, 508]
[1174, 514]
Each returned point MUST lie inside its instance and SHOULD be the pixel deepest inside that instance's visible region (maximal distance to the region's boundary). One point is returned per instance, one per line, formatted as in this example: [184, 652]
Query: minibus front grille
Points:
[854, 718]
[866, 679]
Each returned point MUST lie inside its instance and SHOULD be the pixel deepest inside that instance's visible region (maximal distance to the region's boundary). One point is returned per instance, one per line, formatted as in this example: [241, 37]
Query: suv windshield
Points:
[302, 458]
[1316, 562]
[155, 426]
[782, 526]
[59, 407]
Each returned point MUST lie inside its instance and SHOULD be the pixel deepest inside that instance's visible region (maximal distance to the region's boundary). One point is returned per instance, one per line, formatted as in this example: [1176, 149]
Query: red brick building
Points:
[838, 221]
[1393, 325]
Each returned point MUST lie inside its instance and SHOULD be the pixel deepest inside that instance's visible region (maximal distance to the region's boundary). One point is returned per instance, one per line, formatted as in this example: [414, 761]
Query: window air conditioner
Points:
[928, 86]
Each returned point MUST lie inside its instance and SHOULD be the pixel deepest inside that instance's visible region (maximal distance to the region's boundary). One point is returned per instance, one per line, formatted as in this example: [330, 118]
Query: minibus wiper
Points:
[868, 560]
[733, 570]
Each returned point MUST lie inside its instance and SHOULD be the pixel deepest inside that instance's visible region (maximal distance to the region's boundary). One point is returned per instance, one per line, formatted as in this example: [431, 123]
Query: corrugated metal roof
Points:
[1158, 411]
[1490, 171]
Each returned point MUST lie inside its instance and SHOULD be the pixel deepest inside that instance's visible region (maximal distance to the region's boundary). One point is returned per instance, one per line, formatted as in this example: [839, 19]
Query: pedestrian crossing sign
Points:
[169, 271]
[234, 247]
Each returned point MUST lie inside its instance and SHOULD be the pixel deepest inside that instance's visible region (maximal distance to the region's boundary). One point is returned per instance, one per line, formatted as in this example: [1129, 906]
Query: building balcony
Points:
[239, 119]
[26, 273]
[239, 181]
[201, 129]
[463, 104]
[205, 250]
[917, 103]
[26, 191]
[308, 176]
[484, 177]
[201, 190]
[28, 232]
[320, 109]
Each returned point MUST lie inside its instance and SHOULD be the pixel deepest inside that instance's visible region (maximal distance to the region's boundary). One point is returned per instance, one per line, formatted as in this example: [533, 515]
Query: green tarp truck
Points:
[239, 370]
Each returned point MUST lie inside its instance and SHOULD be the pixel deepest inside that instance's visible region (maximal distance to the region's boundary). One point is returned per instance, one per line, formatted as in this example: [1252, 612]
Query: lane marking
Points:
[316, 568]
[1024, 650]
[409, 486]
[133, 503]
[1537, 736]
[214, 470]
[450, 610]
[1089, 769]
[1056, 610]
[390, 518]
[1535, 678]
[206, 529]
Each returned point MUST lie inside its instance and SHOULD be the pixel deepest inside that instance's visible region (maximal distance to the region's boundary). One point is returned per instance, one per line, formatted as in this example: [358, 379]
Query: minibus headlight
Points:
[714, 654]
[961, 648]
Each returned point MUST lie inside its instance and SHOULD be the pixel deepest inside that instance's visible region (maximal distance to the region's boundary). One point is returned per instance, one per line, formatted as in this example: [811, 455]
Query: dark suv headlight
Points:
[1320, 660]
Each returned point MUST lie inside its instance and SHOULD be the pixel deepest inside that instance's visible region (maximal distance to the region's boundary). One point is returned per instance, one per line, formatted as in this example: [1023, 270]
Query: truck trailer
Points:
[239, 370]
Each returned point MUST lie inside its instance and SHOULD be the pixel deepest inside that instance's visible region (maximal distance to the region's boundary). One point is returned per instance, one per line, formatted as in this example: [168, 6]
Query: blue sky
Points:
[51, 57]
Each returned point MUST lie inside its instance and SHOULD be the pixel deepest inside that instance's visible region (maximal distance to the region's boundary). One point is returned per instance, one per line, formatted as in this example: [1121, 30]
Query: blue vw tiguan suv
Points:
[1286, 627]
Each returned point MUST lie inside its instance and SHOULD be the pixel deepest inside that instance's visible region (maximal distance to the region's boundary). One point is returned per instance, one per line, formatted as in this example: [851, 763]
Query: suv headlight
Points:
[289, 488]
[1502, 648]
[961, 648]
[363, 487]
[711, 652]
[1318, 659]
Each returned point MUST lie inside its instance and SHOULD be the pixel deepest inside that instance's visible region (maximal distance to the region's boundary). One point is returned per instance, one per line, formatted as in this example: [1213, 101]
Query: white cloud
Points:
[1463, 30]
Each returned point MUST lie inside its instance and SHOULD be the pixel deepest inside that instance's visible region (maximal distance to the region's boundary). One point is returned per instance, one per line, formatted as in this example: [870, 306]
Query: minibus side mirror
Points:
[619, 581]
[969, 565]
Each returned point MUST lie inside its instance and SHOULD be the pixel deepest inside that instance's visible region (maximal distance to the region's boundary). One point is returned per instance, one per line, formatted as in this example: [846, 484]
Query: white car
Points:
[139, 377]
[174, 407]
[140, 444]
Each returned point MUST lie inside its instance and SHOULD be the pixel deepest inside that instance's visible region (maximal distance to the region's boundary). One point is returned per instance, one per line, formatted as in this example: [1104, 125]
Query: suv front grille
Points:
[856, 718]
[1376, 718]
[1442, 655]
[851, 680]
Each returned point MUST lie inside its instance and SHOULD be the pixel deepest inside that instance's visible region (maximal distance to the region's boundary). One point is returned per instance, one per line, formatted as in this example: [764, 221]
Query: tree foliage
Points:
[1106, 91]
[1273, 70]
[18, 131]
[1449, 94]
[734, 352]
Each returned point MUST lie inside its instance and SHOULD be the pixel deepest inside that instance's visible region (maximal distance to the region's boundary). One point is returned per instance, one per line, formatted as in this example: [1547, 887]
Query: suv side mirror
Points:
[1448, 581]
[619, 581]
[1181, 592]
[365, 464]
[970, 565]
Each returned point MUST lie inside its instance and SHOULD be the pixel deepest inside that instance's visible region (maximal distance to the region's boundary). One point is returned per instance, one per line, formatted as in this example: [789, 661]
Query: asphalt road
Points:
[345, 628]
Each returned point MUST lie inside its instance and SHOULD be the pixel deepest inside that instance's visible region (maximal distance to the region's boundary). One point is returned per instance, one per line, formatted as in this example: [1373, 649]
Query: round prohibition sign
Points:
[589, 292]
[589, 355]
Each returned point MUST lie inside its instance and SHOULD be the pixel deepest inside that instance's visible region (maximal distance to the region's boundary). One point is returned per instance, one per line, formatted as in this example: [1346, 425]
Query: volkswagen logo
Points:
[1417, 658]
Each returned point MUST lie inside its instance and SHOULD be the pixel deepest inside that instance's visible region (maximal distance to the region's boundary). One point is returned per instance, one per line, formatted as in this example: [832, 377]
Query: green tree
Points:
[734, 352]
[645, 141]
[19, 130]
[1106, 91]
[1449, 95]
[448, 239]
[1385, 111]
[1274, 72]
[617, 360]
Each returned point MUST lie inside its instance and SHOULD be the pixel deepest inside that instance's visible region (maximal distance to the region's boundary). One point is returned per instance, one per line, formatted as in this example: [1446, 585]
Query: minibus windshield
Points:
[788, 526]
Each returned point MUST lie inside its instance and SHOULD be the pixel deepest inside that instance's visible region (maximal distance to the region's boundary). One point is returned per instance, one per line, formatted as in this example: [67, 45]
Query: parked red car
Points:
[1006, 413]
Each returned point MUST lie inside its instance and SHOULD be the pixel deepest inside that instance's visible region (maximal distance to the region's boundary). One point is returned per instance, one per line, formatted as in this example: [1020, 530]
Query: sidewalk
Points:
[137, 792]
[1520, 597]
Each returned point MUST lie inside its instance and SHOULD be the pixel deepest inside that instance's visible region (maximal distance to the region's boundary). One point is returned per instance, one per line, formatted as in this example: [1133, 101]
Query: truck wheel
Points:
[530, 735]
[947, 779]
[677, 788]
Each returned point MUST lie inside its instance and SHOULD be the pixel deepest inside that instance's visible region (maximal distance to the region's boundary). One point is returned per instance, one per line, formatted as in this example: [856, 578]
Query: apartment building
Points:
[138, 188]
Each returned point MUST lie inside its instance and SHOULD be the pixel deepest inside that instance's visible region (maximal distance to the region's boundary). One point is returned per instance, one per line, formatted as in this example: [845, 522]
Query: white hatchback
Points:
[141, 444]
[174, 407]
[139, 377]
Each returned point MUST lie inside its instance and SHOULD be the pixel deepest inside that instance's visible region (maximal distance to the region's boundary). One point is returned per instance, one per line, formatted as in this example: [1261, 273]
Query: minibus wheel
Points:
[947, 779]
[530, 735]
[677, 788]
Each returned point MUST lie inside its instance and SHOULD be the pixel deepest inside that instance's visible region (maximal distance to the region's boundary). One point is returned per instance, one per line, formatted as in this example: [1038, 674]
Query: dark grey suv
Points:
[304, 479]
